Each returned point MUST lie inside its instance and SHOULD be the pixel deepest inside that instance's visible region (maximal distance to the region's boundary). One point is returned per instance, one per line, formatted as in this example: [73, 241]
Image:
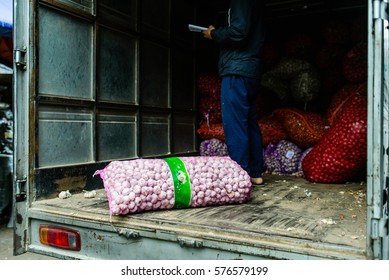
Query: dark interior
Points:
[294, 24]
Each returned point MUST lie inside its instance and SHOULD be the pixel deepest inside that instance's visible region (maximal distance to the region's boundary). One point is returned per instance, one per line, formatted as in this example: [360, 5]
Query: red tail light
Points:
[60, 237]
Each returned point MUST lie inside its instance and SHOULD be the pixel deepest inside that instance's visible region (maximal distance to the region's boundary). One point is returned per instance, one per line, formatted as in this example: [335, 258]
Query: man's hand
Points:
[207, 33]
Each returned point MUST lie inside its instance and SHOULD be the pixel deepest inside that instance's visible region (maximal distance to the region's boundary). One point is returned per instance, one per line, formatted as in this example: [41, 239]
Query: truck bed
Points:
[287, 217]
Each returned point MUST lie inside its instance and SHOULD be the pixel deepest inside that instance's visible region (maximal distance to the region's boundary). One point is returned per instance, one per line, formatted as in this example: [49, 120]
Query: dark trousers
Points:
[240, 122]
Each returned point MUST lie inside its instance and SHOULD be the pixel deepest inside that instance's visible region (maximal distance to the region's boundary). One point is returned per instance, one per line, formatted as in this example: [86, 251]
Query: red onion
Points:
[341, 152]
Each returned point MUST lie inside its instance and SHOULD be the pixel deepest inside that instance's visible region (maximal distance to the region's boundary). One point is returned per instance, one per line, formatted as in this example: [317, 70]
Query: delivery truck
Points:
[104, 80]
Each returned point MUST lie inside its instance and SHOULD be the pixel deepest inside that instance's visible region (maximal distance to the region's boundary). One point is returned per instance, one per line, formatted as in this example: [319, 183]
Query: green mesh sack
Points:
[305, 86]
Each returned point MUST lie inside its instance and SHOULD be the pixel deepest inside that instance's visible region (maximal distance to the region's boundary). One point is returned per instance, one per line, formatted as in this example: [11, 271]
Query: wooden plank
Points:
[286, 206]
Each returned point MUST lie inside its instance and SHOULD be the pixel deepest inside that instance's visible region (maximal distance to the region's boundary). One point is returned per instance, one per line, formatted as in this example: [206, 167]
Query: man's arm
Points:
[239, 25]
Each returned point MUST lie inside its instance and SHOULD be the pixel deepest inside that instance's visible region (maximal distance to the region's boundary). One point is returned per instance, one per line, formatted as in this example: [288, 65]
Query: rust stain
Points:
[19, 218]
[98, 237]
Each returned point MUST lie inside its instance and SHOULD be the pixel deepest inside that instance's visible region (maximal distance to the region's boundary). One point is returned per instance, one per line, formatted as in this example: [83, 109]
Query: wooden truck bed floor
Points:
[284, 208]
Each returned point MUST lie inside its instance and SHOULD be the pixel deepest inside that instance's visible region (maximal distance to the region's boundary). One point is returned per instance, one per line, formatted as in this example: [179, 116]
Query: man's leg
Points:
[240, 125]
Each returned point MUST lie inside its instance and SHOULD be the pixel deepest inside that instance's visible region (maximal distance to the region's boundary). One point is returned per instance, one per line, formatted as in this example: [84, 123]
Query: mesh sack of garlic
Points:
[140, 185]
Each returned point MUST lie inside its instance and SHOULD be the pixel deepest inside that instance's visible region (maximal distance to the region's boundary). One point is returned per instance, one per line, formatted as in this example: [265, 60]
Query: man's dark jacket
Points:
[241, 40]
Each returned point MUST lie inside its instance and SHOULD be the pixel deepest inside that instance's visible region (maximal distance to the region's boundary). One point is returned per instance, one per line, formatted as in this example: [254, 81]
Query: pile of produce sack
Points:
[304, 128]
[342, 152]
[293, 79]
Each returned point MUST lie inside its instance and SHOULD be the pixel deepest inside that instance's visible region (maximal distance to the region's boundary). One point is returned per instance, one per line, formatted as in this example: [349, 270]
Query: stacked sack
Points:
[341, 153]
[304, 128]
[211, 131]
[293, 79]
[304, 93]
[316, 116]
[173, 183]
[209, 89]
[272, 130]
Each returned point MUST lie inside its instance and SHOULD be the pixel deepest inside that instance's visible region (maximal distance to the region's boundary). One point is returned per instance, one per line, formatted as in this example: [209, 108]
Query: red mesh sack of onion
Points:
[341, 153]
[212, 130]
[304, 128]
[210, 109]
[272, 130]
[155, 184]
[342, 96]
[209, 85]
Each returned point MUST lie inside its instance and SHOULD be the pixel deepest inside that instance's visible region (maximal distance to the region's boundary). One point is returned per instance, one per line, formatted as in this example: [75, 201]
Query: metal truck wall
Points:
[113, 87]
[378, 138]
[98, 81]
[119, 85]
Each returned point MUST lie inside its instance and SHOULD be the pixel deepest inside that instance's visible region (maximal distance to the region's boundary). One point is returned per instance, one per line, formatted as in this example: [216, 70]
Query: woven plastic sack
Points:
[292, 79]
[282, 157]
[304, 128]
[276, 85]
[341, 153]
[173, 183]
[210, 109]
[289, 67]
[213, 147]
[272, 130]
[305, 87]
[341, 97]
[209, 85]
[211, 130]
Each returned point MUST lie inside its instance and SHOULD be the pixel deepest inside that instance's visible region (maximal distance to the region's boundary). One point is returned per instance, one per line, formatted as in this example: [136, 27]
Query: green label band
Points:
[182, 191]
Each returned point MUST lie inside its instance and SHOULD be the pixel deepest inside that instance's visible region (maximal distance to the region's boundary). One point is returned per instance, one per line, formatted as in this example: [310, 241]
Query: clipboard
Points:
[196, 28]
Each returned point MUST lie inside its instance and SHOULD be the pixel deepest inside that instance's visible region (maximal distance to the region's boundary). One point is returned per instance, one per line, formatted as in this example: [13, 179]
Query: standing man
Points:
[240, 66]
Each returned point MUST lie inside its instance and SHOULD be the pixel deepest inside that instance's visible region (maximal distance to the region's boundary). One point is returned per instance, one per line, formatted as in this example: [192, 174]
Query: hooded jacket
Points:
[241, 39]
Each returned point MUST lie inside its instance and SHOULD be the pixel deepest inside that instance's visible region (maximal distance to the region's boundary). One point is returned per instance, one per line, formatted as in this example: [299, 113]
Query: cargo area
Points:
[289, 217]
